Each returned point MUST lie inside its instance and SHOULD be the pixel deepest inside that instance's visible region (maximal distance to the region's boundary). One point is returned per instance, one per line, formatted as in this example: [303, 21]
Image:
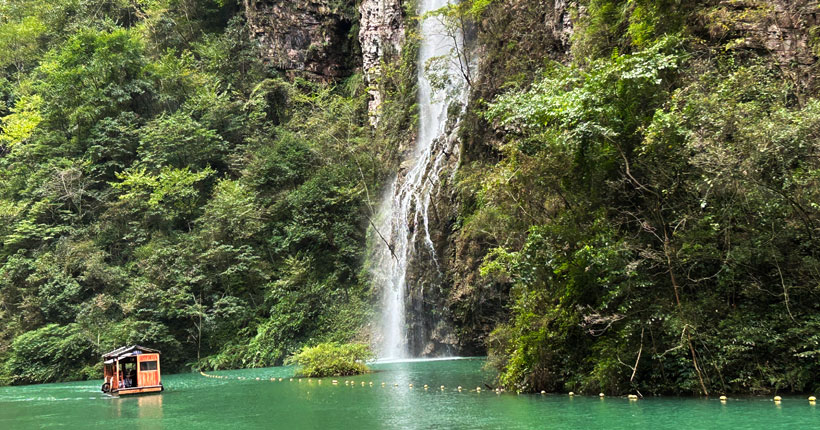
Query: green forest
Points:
[636, 205]
[162, 186]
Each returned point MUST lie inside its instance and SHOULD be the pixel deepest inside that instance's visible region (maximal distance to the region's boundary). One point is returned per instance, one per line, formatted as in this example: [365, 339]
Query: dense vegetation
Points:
[653, 205]
[331, 359]
[160, 185]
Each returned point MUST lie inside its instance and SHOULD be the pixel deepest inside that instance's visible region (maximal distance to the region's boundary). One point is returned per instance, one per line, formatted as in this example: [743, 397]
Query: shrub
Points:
[49, 354]
[332, 359]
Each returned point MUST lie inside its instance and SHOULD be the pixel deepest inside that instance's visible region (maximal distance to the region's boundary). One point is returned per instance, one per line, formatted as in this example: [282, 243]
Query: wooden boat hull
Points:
[137, 390]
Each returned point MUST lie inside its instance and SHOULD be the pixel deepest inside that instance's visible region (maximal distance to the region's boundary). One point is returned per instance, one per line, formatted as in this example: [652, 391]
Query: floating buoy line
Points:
[351, 383]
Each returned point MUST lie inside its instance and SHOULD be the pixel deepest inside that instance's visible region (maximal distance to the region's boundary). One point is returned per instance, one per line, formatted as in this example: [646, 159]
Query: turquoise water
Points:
[192, 401]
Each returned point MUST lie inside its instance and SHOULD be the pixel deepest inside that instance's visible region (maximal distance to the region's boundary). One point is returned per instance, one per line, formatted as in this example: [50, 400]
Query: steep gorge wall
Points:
[448, 311]
[474, 306]
[783, 32]
[454, 307]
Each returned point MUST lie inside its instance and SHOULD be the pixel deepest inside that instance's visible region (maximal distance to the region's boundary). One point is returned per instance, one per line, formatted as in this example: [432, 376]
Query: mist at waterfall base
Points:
[403, 220]
[192, 401]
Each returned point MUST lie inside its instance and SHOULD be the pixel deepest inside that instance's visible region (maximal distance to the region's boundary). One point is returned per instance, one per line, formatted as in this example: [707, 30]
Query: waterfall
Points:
[403, 221]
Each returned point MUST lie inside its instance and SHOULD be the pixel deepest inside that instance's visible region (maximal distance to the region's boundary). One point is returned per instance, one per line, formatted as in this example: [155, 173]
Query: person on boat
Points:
[132, 378]
[129, 382]
[121, 381]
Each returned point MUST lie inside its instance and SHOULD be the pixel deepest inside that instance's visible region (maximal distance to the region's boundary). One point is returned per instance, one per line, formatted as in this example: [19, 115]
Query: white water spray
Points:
[403, 213]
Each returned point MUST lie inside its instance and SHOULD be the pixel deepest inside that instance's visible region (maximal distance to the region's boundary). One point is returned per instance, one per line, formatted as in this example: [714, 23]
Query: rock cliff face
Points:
[558, 22]
[381, 34]
[430, 323]
[778, 29]
[474, 305]
[449, 310]
[309, 37]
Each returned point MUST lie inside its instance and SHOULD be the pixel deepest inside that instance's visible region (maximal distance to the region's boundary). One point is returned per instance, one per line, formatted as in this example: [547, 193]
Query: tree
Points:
[20, 43]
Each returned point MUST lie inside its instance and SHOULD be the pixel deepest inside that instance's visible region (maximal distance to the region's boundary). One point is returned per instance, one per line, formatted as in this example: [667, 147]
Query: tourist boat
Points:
[131, 370]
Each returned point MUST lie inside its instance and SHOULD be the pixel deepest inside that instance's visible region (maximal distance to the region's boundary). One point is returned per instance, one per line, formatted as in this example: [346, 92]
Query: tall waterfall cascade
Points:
[403, 223]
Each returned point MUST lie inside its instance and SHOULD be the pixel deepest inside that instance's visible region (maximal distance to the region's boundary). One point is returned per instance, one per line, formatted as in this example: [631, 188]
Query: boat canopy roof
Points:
[127, 351]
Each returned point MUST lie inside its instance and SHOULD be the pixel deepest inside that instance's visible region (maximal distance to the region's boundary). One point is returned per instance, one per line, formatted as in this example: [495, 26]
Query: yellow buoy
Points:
[632, 397]
[425, 386]
[334, 382]
[723, 398]
[382, 384]
[571, 394]
[291, 379]
[812, 399]
[442, 387]
[777, 398]
[280, 379]
[395, 384]
[371, 383]
[543, 392]
[362, 383]
[411, 385]
[478, 389]
[459, 388]
[601, 395]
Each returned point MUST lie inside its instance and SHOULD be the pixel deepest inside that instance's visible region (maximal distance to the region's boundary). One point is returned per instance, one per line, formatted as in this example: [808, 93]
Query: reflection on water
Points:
[140, 412]
[150, 406]
[417, 360]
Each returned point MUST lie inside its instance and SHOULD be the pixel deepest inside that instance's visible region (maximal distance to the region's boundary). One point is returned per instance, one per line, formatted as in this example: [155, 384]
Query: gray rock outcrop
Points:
[308, 37]
[381, 35]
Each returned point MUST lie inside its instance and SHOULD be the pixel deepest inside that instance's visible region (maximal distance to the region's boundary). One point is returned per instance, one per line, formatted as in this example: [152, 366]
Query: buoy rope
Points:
[351, 383]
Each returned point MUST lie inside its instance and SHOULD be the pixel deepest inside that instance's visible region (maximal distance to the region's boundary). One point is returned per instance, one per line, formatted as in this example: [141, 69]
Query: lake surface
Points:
[192, 401]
